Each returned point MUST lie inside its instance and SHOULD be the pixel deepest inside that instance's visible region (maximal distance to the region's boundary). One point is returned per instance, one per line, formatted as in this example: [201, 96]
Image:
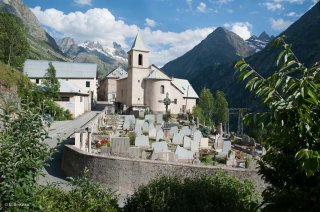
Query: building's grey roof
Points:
[118, 73]
[154, 74]
[68, 87]
[38, 68]
[185, 87]
[138, 44]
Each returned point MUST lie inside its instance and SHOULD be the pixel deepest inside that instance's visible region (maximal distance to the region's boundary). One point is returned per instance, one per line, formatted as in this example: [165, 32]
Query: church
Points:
[146, 86]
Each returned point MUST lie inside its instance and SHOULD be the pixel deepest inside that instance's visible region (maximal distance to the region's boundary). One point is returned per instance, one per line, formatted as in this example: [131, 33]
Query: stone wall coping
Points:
[72, 147]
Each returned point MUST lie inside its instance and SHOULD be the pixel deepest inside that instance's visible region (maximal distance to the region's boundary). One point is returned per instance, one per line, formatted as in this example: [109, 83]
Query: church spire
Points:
[138, 44]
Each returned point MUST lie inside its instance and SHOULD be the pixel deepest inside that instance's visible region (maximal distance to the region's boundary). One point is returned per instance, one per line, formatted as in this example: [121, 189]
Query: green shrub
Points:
[207, 159]
[132, 137]
[85, 195]
[215, 193]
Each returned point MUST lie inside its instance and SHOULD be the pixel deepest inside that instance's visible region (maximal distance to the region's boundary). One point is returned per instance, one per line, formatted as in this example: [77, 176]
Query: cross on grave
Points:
[167, 102]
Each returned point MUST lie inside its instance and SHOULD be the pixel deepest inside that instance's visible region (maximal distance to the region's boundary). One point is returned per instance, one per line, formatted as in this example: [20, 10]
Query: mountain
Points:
[93, 52]
[256, 44]
[304, 35]
[219, 46]
[43, 46]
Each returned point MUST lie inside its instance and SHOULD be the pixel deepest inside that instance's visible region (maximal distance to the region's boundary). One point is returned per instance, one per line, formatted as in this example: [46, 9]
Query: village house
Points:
[146, 85]
[78, 83]
[107, 89]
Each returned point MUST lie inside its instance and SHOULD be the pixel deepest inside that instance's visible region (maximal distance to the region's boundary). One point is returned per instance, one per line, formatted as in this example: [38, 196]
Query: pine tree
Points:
[51, 83]
[14, 46]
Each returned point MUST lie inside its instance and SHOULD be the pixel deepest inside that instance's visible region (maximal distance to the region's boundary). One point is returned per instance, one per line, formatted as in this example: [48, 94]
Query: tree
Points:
[206, 104]
[220, 113]
[22, 156]
[291, 166]
[51, 83]
[14, 45]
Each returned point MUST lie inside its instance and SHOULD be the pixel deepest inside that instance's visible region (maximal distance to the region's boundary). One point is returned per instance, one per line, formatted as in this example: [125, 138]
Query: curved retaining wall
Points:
[125, 174]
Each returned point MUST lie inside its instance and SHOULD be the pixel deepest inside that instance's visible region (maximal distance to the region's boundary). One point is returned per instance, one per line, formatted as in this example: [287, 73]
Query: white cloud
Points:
[293, 14]
[220, 1]
[101, 25]
[202, 7]
[243, 29]
[83, 2]
[189, 2]
[273, 6]
[279, 24]
[150, 22]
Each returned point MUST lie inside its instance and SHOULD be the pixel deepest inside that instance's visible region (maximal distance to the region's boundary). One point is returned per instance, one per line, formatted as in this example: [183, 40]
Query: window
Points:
[162, 89]
[175, 101]
[88, 84]
[138, 99]
[138, 80]
[81, 99]
[64, 99]
[37, 81]
[140, 60]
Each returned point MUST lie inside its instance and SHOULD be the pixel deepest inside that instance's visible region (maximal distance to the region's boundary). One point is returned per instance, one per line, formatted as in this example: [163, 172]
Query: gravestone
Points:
[159, 135]
[127, 125]
[158, 127]
[138, 130]
[159, 118]
[226, 146]
[145, 127]
[151, 125]
[150, 118]
[185, 130]
[197, 136]
[142, 141]
[174, 130]
[165, 156]
[129, 118]
[204, 143]
[152, 133]
[120, 146]
[193, 129]
[178, 139]
[195, 145]
[159, 146]
[183, 154]
[187, 142]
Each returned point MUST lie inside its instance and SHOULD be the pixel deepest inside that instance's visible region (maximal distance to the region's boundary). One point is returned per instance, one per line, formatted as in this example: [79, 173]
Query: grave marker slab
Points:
[120, 146]
[178, 139]
[142, 141]
[152, 133]
[226, 146]
[159, 118]
[145, 127]
[174, 130]
[159, 135]
[150, 118]
[183, 154]
[204, 143]
[159, 146]
[187, 142]
[195, 145]
[197, 136]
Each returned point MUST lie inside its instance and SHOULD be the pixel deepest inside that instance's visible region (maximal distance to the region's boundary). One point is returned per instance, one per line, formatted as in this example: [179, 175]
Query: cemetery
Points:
[153, 137]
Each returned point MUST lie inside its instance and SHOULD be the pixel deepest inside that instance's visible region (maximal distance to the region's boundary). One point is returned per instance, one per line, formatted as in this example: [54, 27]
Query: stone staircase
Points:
[120, 122]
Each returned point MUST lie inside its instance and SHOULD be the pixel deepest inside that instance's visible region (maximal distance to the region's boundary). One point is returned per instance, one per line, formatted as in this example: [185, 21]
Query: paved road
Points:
[61, 130]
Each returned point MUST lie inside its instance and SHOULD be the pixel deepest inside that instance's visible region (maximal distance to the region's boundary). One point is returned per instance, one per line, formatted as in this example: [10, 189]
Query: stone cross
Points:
[167, 102]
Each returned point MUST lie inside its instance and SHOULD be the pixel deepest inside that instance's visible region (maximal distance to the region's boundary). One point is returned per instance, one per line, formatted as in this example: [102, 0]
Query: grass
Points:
[10, 77]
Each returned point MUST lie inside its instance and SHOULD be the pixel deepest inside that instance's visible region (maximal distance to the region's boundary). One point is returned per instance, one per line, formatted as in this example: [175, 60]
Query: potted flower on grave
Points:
[104, 145]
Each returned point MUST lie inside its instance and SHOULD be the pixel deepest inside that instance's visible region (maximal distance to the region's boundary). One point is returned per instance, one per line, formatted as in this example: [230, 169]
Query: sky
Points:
[169, 28]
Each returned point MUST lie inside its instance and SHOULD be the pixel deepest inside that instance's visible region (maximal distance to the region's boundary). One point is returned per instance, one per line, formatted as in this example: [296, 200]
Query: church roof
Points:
[138, 44]
[118, 73]
[156, 73]
[185, 87]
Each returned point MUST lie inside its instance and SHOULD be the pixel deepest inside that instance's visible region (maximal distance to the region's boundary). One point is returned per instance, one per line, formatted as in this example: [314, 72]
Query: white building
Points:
[146, 85]
[78, 83]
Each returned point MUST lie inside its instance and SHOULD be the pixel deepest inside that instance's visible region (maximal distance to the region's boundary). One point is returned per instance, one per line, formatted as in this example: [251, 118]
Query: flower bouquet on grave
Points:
[103, 143]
